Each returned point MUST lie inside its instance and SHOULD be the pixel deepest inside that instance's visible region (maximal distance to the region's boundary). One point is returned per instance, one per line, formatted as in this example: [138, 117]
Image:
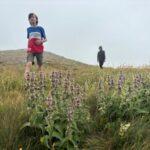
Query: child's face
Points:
[33, 20]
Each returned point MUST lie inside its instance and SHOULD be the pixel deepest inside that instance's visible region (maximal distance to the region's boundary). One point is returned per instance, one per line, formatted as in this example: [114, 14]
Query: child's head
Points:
[33, 19]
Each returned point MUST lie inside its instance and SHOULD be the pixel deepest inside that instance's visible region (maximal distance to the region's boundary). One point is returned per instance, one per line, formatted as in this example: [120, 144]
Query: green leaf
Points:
[141, 111]
[59, 128]
[49, 129]
[69, 143]
[27, 124]
[44, 140]
[64, 141]
[57, 135]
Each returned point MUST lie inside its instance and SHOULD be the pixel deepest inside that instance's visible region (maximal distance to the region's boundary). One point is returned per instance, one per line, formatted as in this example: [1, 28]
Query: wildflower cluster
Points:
[61, 108]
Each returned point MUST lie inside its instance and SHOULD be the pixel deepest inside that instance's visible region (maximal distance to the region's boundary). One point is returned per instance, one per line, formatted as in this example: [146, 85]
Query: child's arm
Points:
[43, 37]
[39, 42]
[44, 40]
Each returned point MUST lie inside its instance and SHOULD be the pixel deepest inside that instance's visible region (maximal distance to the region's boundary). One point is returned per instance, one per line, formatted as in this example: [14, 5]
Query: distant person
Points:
[36, 37]
[101, 57]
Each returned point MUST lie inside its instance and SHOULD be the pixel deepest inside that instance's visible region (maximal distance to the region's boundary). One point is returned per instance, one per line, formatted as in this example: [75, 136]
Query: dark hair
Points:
[31, 15]
[100, 48]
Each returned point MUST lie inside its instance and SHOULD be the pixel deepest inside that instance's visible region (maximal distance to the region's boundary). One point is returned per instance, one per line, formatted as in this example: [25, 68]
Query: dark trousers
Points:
[101, 64]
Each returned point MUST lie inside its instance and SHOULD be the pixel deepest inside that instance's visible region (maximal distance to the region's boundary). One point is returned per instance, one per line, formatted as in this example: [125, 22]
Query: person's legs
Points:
[40, 68]
[28, 66]
[101, 64]
[30, 59]
[39, 57]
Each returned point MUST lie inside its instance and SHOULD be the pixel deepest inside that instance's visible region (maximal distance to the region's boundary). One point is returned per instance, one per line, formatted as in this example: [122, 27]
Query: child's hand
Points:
[29, 50]
[38, 42]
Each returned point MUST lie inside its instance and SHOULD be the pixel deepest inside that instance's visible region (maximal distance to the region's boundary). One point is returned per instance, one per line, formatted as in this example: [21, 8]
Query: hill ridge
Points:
[12, 57]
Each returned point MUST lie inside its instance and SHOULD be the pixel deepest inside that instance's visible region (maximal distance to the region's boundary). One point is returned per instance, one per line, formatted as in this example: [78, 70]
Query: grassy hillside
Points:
[17, 57]
[73, 106]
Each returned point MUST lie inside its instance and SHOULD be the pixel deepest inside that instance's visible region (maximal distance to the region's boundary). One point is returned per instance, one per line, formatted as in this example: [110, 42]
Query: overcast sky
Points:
[75, 28]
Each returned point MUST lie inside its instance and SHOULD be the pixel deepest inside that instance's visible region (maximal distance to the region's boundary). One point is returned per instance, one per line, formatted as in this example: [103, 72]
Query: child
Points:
[36, 37]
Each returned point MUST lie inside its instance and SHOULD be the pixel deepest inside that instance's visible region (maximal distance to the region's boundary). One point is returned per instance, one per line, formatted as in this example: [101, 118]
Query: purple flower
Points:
[49, 102]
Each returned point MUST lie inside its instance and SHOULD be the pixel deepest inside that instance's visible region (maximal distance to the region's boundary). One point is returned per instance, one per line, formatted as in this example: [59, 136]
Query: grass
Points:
[104, 133]
[12, 107]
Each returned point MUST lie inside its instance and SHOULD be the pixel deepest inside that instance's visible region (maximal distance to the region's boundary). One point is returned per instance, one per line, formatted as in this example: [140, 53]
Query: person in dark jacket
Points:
[101, 57]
